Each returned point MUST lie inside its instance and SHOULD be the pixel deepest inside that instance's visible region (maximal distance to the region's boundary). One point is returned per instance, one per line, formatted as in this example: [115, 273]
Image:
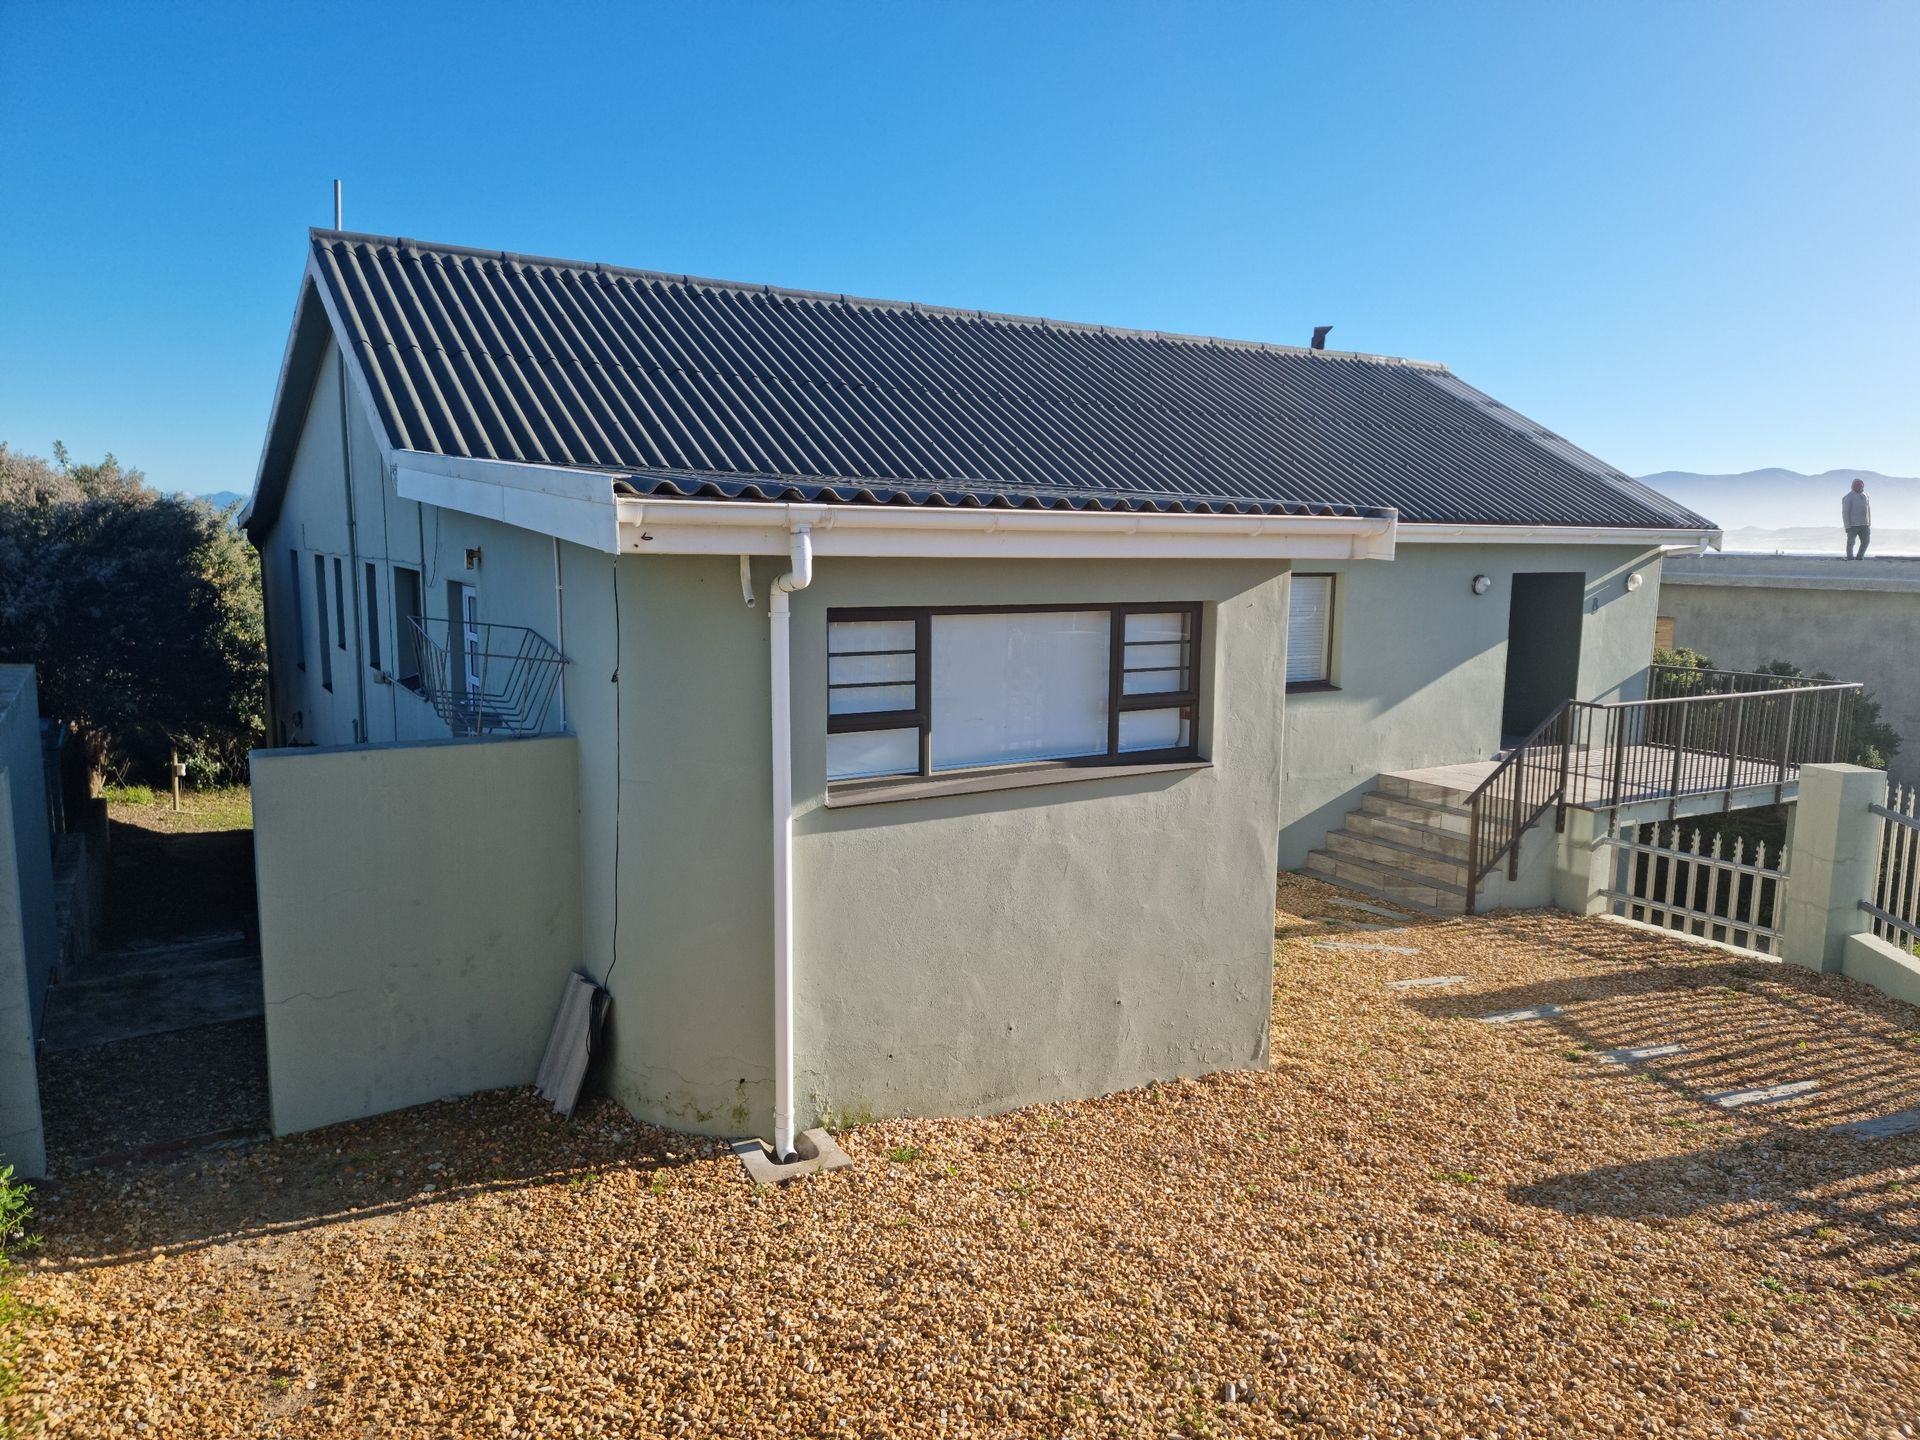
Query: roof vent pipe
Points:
[1320, 336]
[800, 549]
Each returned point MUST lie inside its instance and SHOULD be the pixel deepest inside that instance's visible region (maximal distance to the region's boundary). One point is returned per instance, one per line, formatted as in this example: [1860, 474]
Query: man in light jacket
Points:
[1857, 515]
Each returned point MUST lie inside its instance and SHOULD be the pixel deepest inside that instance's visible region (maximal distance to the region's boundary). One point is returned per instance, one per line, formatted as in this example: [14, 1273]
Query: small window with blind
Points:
[927, 692]
[1310, 633]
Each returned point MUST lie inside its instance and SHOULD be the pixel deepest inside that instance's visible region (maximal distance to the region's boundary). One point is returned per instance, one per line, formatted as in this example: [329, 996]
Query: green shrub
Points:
[16, 1209]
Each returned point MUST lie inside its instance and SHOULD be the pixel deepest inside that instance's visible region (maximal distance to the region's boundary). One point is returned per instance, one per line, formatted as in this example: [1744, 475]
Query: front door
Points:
[1543, 648]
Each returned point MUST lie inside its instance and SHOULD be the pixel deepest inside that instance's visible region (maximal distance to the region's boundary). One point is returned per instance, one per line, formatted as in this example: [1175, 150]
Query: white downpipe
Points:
[800, 549]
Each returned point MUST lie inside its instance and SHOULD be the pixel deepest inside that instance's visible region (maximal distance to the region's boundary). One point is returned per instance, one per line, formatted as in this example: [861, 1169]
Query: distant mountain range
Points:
[220, 499]
[1787, 500]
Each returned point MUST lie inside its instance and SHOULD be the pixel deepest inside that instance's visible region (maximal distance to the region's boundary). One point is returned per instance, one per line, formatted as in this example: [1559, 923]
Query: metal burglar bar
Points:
[1753, 734]
[1895, 906]
[501, 682]
[1737, 898]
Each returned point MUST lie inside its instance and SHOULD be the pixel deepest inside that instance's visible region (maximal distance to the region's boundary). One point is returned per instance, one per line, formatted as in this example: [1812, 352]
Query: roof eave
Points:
[1664, 537]
[734, 527]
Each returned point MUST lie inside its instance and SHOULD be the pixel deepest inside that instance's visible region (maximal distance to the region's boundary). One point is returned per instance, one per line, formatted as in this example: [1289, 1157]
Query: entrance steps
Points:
[1405, 843]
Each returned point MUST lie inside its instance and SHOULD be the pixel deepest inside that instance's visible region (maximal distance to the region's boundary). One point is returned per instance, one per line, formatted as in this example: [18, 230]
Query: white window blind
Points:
[1309, 628]
[1020, 686]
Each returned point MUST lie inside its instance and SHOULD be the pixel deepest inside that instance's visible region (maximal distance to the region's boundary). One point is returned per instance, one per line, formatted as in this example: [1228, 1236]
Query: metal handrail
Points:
[1719, 695]
[1479, 866]
[1637, 750]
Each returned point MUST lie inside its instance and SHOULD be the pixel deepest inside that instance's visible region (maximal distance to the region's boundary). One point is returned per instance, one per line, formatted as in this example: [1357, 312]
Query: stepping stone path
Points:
[1767, 1095]
[1364, 945]
[1370, 909]
[1426, 980]
[1508, 1017]
[1901, 1122]
[1634, 1053]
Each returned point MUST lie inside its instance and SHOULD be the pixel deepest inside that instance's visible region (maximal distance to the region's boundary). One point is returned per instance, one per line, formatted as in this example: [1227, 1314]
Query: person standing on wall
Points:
[1856, 513]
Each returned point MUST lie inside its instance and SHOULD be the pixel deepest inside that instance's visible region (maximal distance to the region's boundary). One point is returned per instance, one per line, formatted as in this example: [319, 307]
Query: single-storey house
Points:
[946, 687]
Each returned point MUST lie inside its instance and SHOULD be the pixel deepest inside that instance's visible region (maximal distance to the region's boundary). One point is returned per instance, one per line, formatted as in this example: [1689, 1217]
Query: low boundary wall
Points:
[419, 909]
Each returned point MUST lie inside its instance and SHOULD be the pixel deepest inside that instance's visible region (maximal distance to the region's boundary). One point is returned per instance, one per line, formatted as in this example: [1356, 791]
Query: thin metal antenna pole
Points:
[336, 204]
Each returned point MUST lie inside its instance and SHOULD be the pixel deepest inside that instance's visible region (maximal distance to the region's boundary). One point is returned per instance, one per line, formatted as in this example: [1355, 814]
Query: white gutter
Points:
[735, 527]
[800, 551]
[1680, 541]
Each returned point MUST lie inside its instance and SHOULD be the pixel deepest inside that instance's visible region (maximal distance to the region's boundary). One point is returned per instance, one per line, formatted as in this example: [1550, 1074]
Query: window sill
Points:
[885, 789]
[1312, 687]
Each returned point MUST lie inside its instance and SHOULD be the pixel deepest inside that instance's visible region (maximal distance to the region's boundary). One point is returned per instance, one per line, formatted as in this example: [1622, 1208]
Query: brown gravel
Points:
[153, 1091]
[1412, 1224]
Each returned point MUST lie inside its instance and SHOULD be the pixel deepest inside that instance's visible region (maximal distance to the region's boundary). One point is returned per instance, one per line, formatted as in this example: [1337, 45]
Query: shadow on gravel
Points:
[502, 1141]
[1839, 1054]
[1852, 1206]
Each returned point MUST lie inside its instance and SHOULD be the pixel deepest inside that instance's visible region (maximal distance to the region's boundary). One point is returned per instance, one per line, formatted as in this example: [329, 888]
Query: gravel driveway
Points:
[1415, 1223]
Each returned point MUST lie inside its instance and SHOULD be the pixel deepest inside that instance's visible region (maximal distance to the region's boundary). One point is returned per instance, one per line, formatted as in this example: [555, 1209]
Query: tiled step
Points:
[1400, 787]
[1416, 812]
[1407, 832]
[1416, 892]
[1397, 856]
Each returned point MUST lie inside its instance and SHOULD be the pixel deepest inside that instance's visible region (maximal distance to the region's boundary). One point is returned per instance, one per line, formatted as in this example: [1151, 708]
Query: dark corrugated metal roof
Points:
[703, 387]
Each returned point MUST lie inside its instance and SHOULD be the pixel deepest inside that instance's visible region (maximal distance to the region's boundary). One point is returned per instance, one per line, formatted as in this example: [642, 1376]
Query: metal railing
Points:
[1737, 898]
[1895, 906]
[1673, 682]
[1601, 756]
[485, 679]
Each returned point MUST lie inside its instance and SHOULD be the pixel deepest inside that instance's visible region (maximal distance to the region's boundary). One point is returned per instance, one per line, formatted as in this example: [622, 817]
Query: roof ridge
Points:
[318, 235]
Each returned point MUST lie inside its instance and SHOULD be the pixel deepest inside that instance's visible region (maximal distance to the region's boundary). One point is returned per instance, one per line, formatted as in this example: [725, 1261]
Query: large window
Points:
[1310, 632]
[917, 692]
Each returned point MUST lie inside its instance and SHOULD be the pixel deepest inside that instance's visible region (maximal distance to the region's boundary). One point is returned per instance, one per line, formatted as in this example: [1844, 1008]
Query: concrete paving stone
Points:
[1531, 1012]
[1900, 1122]
[1369, 908]
[1765, 1095]
[1633, 1053]
[1424, 981]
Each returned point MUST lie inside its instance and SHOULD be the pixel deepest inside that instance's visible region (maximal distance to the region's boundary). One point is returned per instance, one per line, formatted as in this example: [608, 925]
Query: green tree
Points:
[1875, 742]
[140, 611]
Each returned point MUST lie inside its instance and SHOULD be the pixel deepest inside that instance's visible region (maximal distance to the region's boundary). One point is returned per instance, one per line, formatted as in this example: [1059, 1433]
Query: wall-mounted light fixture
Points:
[1481, 584]
[1635, 581]
[473, 557]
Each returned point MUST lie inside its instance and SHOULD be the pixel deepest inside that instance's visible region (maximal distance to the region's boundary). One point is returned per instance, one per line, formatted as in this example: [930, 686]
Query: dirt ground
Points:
[181, 872]
[1412, 1223]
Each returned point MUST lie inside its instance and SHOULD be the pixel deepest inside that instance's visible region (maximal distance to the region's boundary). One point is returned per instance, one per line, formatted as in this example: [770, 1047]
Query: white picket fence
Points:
[1895, 906]
[1715, 890]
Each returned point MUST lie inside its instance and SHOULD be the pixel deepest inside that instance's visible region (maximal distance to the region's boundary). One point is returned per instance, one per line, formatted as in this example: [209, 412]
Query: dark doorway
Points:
[1543, 648]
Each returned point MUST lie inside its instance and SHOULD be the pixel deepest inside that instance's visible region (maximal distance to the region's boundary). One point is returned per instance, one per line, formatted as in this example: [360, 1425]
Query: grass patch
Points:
[127, 794]
[906, 1154]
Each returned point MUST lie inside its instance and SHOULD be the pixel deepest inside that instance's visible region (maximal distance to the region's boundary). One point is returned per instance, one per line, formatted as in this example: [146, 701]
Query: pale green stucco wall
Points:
[26, 919]
[419, 911]
[953, 955]
[1420, 662]
[1856, 620]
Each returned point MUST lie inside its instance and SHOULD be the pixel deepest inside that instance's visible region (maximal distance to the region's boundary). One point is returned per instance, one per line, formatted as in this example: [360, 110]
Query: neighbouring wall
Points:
[26, 919]
[419, 911]
[1419, 662]
[1854, 619]
[953, 955]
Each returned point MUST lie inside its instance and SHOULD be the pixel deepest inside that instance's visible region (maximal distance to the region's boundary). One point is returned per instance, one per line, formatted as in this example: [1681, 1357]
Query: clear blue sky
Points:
[1685, 235]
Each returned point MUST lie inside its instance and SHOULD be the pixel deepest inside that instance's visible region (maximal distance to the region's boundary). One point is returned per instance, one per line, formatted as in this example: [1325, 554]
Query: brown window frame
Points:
[920, 716]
